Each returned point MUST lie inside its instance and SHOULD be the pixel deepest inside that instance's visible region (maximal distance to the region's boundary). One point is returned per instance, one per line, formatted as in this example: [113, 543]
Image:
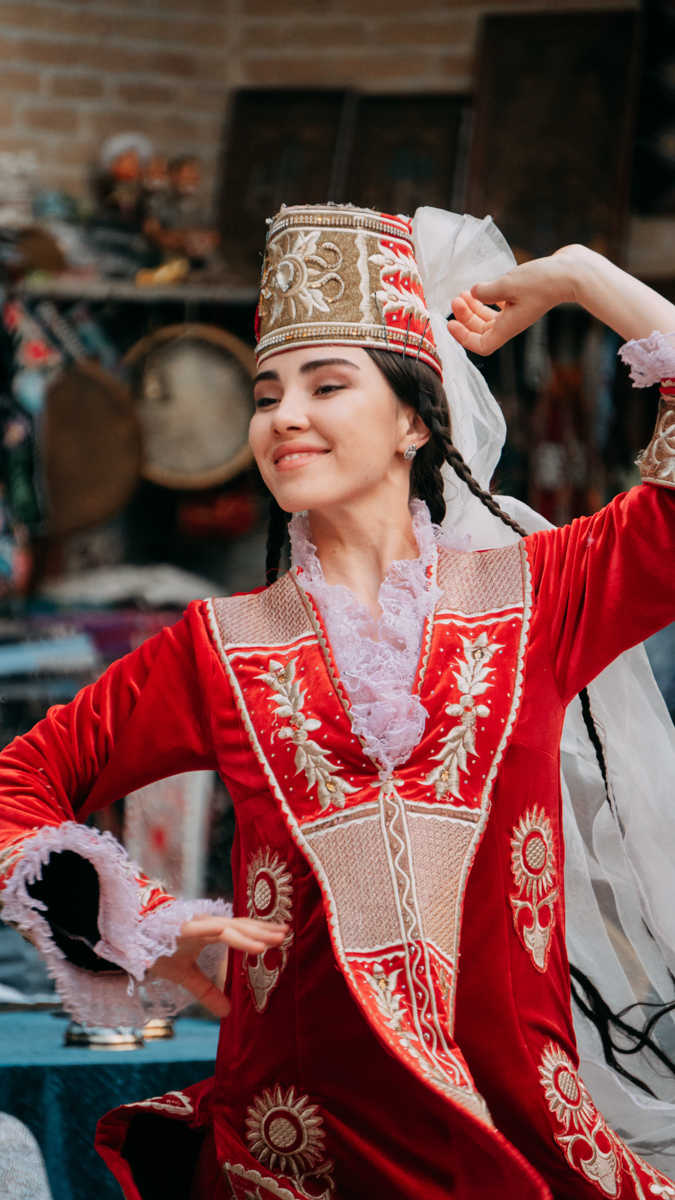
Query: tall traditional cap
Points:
[338, 275]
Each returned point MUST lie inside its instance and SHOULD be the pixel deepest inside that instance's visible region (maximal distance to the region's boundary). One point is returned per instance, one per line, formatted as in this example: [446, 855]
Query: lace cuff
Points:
[127, 937]
[650, 359]
[657, 462]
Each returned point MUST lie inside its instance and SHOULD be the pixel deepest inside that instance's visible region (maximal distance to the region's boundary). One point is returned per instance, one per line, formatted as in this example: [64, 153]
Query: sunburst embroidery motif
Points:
[533, 867]
[588, 1143]
[284, 1131]
[269, 888]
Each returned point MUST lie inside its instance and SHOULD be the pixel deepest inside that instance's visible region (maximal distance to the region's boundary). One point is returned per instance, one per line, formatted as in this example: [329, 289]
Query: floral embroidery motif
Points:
[269, 898]
[301, 276]
[309, 757]
[472, 678]
[384, 990]
[284, 1131]
[534, 873]
[657, 462]
[588, 1144]
[400, 287]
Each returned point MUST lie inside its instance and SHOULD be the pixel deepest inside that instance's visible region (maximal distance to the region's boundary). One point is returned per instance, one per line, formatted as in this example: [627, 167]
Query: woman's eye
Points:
[325, 388]
[264, 401]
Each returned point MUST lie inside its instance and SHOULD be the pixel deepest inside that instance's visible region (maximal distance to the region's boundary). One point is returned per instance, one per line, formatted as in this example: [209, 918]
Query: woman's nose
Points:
[289, 413]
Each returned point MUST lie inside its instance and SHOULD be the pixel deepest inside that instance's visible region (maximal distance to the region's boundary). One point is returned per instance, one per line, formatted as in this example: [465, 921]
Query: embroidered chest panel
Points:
[391, 853]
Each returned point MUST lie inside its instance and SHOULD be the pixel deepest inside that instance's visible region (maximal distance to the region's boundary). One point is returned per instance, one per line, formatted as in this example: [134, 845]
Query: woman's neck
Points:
[357, 545]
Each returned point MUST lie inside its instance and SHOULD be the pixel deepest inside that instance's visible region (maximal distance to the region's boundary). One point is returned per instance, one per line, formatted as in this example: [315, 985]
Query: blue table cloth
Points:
[60, 1092]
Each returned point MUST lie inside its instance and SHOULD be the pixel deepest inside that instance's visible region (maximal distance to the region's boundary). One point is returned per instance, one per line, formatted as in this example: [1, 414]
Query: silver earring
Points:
[410, 452]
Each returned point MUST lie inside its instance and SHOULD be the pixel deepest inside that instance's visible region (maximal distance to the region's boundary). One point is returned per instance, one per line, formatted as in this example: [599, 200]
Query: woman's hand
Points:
[253, 937]
[522, 296]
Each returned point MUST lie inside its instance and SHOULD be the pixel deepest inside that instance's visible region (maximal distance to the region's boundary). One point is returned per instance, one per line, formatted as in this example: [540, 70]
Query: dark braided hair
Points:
[416, 384]
[277, 537]
[419, 386]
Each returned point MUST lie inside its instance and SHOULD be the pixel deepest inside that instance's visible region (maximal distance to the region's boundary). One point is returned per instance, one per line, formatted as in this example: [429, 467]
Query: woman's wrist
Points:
[575, 263]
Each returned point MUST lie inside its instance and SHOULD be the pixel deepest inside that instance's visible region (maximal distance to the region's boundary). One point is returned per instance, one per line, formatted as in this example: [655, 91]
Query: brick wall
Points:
[73, 71]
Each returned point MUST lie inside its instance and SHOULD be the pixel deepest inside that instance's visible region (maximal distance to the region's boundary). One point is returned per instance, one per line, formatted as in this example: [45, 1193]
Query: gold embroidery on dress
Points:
[460, 741]
[584, 1130]
[534, 872]
[657, 462]
[384, 990]
[284, 1131]
[590, 1146]
[269, 898]
[310, 758]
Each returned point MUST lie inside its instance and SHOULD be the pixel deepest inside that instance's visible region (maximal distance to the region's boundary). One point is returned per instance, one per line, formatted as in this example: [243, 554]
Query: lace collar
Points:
[377, 658]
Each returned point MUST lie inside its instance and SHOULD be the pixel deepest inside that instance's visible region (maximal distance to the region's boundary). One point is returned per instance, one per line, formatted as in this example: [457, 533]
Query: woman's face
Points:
[328, 429]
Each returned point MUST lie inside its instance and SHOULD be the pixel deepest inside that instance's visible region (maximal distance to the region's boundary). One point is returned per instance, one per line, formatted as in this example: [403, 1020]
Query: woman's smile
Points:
[295, 454]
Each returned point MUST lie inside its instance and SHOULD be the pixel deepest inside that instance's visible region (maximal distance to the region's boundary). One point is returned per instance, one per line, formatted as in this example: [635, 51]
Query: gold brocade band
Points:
[657, 461]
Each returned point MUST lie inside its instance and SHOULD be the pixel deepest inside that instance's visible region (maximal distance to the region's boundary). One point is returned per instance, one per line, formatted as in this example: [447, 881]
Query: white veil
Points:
[620, 851]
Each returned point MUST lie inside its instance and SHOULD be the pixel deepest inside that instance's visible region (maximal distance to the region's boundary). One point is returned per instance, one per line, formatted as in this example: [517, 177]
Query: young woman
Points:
[387, 716]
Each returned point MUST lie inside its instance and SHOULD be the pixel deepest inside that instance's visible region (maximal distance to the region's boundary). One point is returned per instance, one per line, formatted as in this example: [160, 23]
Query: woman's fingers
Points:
[464, 313]
[477, 343]
[241, 933]
[218, 929]
[481, 310]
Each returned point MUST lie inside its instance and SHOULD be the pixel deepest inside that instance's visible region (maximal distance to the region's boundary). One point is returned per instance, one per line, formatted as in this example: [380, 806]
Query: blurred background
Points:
[142, 146]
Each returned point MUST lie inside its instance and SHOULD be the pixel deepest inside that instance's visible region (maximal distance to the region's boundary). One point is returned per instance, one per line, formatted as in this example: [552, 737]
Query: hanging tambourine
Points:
[192, 388]
[91, 447]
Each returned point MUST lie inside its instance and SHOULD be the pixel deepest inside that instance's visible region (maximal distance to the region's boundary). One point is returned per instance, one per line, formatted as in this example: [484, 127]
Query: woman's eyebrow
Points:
[327, 362]
[265, 375]
[308, 366]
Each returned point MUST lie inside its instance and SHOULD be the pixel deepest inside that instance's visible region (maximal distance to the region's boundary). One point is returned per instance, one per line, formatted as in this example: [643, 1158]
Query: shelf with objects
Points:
[126, 483]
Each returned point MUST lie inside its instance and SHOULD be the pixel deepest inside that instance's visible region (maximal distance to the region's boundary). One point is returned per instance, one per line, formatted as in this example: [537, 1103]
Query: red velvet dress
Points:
[413, 1036]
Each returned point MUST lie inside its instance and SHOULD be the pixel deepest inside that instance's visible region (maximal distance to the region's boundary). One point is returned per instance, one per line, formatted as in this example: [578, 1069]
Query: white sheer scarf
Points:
[619, 859]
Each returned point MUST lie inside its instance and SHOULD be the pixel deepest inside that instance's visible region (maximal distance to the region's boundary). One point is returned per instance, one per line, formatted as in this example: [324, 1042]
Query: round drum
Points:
[192, 389]
[91, 447]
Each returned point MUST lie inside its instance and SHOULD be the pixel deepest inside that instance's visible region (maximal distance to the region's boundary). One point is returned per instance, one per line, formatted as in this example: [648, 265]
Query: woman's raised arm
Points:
[573, 274]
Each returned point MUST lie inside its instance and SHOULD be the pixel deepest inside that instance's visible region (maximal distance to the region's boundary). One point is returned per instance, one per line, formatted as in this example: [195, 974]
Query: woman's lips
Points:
[297, 458]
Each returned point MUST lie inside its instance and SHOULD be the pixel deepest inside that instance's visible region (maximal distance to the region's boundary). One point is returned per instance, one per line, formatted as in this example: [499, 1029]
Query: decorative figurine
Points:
[175, 219]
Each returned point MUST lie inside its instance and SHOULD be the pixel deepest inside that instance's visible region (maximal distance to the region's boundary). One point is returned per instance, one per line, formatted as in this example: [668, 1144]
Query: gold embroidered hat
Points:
[335, 274]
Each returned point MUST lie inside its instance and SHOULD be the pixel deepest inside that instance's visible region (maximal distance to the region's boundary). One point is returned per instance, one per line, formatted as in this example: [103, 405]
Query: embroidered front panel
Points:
[392, 853]
[535, 875]
[589, 1145]
[657, 462]
[285, 1132]
[269, 897]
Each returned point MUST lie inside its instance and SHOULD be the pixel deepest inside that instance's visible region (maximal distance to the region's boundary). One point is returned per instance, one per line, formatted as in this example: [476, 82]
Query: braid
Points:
[440, 433]
[277, 534]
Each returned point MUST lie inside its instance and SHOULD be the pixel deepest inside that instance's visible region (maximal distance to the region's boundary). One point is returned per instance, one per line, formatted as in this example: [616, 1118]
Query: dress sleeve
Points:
[607, 581]
[99, 923]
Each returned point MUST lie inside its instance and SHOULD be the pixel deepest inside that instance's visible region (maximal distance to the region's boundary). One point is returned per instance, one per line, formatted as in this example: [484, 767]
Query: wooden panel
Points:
[553, 128]
[284, 147]
[406, 152]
